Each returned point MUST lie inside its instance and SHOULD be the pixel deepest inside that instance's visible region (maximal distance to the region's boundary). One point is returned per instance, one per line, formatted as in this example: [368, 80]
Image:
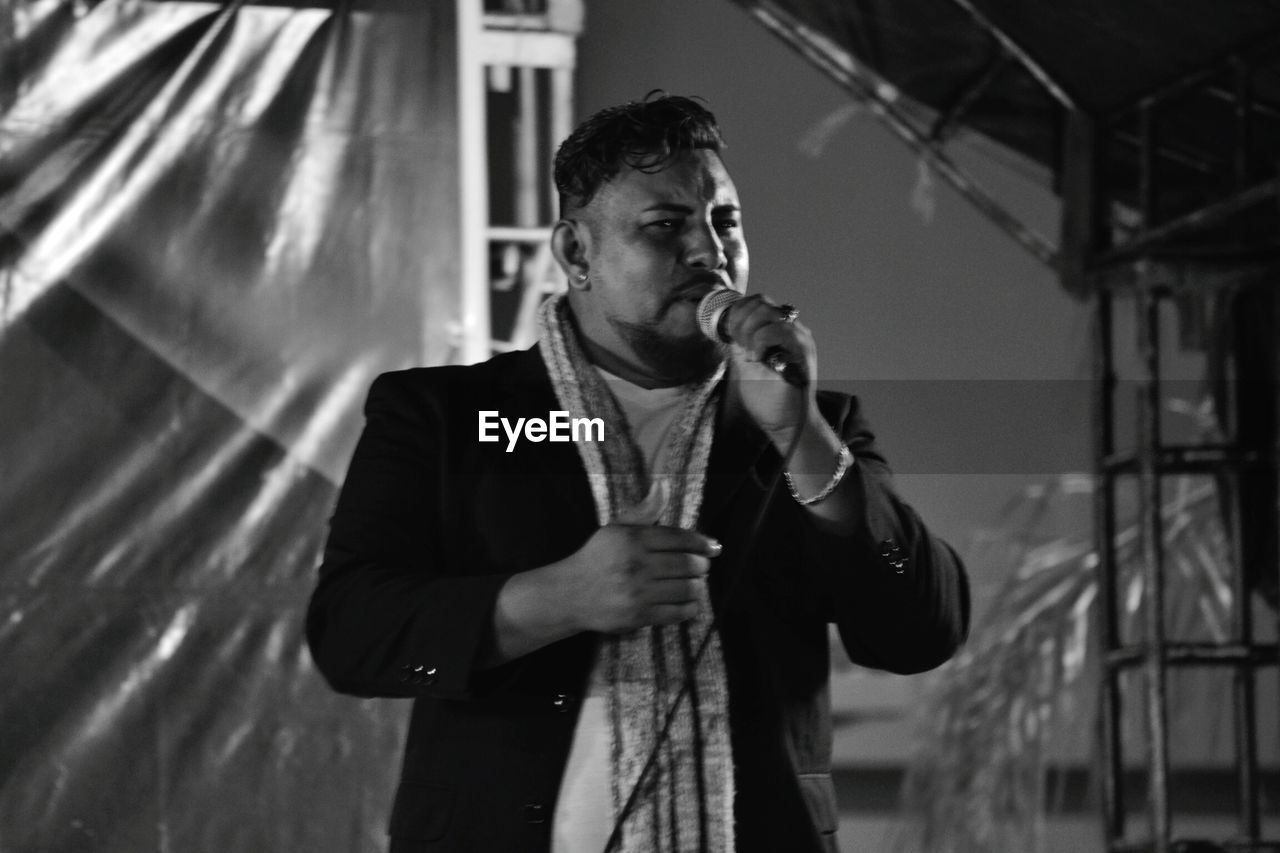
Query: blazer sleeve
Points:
[898, 594]
[393, 614]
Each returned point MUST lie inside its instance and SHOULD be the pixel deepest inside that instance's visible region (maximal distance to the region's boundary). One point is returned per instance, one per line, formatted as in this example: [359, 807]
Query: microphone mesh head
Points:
[711, 308]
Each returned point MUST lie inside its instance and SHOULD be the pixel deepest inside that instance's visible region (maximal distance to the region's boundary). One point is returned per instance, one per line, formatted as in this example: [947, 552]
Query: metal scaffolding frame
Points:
[1147, 221]
[884, 100]
[1224, 248]
[523, 72]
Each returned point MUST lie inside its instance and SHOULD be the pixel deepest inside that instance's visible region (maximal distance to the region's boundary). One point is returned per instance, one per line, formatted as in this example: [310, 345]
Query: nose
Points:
[705, 249]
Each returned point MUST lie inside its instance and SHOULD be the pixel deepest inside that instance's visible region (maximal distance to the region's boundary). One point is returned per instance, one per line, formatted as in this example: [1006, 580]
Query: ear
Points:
[570, 243]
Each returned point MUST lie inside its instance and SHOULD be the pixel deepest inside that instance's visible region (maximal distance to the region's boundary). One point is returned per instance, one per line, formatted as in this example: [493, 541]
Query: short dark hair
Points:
[644, 135]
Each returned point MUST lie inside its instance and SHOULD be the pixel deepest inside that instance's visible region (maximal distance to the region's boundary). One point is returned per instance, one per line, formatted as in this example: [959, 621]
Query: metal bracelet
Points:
[844, 460]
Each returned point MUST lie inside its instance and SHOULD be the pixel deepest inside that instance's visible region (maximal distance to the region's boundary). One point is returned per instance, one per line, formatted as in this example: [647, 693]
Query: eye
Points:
[663, 224]
[726, 224]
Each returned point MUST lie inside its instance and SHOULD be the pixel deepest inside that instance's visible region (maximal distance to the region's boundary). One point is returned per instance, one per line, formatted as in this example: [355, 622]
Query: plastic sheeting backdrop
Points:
[217, 224]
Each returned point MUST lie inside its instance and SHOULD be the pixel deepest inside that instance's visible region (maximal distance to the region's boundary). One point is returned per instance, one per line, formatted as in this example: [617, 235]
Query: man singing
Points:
[620, 643]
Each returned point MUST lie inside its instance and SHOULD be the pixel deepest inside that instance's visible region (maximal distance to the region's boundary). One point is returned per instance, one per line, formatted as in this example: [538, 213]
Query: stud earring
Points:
[581, 276]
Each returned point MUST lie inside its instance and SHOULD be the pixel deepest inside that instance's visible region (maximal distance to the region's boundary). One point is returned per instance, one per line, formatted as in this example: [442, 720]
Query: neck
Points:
[618, 358]
[624, 368]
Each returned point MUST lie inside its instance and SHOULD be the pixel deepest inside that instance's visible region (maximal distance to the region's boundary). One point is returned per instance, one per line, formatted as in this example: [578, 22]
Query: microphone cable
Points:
[691, 671]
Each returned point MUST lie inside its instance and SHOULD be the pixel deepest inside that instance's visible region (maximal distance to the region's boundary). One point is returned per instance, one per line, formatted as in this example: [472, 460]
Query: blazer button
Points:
[422, 675]
[893, 555]
[406, 674]
[535, 813]
[561, 702]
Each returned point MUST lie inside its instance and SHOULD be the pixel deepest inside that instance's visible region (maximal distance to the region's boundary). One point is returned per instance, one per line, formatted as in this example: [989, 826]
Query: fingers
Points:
[757, 324]
[672, 565]
[672, 614]
[663, 539]
[629, 575]
[665, 601]
[672, 591]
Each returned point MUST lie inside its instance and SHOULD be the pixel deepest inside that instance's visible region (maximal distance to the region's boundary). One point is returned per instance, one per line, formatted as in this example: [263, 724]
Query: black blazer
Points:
[430, 524]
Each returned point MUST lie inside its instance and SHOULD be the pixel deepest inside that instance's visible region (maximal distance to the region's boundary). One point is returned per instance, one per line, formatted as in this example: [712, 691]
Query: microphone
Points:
[711, 314]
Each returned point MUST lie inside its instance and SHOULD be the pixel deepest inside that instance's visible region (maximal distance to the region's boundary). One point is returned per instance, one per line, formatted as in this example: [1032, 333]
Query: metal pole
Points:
[1244, 675]
[1111, 716]
[473, 185]
[1246, 723]
[1150, 501]
[1007, 42]
[528, 187]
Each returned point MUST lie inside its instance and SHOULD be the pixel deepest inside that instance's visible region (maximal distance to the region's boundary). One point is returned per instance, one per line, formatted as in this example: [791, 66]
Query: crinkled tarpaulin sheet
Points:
[217, 224]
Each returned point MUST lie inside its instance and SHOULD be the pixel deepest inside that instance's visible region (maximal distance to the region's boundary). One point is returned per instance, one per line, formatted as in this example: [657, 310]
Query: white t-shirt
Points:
[584, 811]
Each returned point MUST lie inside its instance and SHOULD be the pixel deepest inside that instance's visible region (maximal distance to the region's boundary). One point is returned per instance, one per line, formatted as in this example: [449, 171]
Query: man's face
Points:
[658, 242]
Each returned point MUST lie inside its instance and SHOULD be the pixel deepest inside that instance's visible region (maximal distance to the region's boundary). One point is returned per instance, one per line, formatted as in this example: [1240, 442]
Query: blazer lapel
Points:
[739, 457]
[528, 393]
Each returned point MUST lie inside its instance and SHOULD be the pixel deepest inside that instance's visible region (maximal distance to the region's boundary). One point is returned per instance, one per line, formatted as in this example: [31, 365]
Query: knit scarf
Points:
[685, 800]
